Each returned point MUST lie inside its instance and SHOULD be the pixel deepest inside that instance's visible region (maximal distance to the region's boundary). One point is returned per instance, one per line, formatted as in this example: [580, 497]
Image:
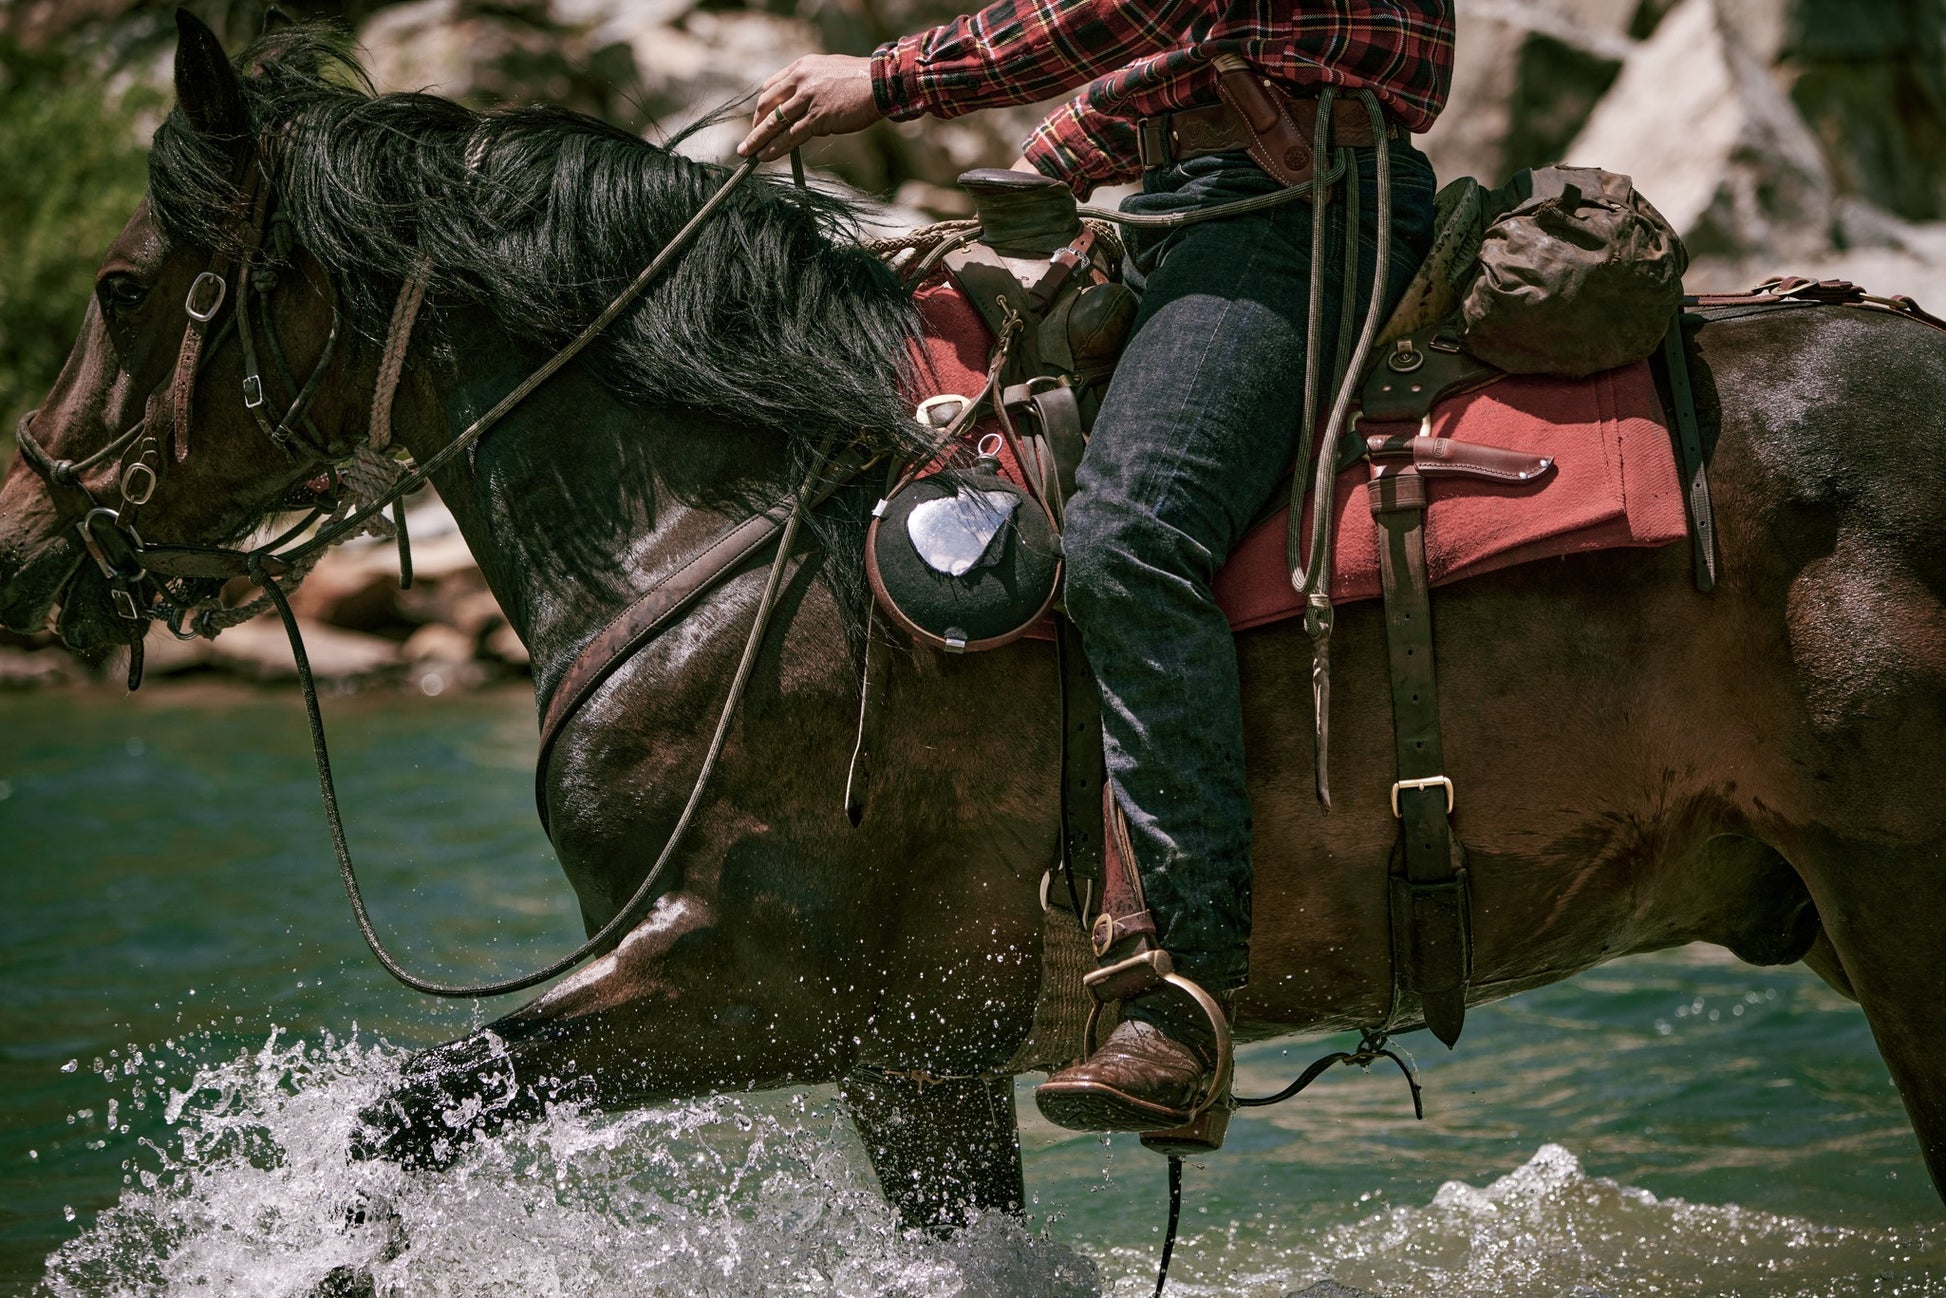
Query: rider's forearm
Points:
[1019, 51]
[1083, 146]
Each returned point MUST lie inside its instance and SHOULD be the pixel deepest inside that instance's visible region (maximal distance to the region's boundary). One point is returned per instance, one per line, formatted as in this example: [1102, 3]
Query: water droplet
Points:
[71, 1065]
[6, 790]
[67, 1211]
[135, 747]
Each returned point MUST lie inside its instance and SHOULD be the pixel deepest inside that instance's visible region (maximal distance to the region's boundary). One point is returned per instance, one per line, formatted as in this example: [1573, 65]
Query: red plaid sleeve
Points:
[1084, 146]
[1153, 56]
[1020, 51]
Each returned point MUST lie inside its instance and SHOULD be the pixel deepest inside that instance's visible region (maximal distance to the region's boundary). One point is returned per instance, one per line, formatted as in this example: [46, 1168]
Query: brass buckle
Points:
[1430, 782]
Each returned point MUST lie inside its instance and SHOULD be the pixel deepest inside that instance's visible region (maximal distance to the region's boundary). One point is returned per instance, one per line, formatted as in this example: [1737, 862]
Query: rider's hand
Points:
[819, 94]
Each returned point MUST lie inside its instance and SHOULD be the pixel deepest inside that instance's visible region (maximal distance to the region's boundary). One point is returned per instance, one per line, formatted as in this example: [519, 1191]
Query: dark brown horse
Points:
[1638, 765]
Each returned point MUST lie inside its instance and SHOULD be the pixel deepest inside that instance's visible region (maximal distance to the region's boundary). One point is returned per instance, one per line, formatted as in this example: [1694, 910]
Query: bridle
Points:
[159, 582]
[130, 563]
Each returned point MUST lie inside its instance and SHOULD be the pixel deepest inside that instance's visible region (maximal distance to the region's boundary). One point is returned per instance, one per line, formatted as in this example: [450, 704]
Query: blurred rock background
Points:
[1806, 136]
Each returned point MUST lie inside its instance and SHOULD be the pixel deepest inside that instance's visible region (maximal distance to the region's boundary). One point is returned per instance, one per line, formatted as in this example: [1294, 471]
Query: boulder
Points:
[22, 669]
[1870, 79]
[1708, 137]
[434, 643]
[509, 52]
[354, 589]
[1529, 73]
[260, 650]
[506, 646]
[472, 611]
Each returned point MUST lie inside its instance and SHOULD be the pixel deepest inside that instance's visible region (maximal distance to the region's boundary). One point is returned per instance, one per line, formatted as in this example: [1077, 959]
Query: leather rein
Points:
[130, 563]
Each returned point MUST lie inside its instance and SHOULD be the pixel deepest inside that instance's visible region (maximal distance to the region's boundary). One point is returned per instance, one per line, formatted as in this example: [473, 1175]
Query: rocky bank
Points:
[1806, 136]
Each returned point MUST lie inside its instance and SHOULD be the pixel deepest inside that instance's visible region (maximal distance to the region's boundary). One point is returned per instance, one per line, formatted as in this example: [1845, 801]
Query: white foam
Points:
[768, 1195]
[771, 1195]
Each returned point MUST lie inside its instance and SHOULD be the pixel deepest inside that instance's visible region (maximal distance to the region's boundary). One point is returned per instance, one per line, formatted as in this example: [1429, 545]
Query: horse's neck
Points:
[575, 502]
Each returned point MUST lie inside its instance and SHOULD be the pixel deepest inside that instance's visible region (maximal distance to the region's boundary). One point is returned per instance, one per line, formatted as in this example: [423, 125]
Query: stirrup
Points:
[1150, 970]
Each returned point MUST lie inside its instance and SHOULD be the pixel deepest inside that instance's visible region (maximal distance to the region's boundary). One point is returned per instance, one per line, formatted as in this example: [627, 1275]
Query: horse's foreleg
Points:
[941, 1147]
[683, 1006]
[1882, 910]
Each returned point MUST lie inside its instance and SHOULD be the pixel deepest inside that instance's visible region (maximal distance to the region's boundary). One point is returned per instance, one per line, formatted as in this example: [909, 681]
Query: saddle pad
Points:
[1614, 483]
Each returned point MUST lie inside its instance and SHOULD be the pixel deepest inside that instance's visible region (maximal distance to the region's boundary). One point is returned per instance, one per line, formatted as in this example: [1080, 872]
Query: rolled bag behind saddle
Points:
[1577, 274]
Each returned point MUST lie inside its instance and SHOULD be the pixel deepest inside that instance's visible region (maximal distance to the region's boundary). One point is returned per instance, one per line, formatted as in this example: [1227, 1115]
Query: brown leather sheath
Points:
[1442, 457]
[1258, 117]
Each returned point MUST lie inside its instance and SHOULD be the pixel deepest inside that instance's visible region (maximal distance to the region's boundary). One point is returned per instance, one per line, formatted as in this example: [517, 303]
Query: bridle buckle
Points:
[201, 285]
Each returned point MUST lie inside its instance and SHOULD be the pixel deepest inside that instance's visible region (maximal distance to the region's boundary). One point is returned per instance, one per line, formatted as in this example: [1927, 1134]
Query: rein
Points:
[128, 561]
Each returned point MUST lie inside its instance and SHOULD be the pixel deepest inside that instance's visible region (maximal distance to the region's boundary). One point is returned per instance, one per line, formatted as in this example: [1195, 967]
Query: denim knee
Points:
[1121, 560]
[1096, 551]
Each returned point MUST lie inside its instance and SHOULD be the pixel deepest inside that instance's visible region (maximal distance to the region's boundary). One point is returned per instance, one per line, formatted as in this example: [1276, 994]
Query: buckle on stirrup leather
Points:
[1430, 782]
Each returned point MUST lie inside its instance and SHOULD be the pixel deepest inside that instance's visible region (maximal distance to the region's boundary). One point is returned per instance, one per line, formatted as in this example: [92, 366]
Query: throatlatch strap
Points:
[1431, 941]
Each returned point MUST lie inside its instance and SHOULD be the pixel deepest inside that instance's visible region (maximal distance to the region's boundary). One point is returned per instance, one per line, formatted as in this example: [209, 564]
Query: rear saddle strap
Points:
[1688, 436]
[1431, 924]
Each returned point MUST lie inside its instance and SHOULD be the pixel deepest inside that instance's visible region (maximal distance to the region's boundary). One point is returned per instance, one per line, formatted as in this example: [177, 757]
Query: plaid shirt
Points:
[1144, 57]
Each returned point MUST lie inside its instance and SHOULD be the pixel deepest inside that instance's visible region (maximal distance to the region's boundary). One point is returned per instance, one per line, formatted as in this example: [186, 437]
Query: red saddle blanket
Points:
[1614, 483]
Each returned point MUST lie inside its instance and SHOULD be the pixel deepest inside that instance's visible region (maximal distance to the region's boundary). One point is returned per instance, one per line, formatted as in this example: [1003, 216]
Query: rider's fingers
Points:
[770, 118]
[791, 125]
[795, 136]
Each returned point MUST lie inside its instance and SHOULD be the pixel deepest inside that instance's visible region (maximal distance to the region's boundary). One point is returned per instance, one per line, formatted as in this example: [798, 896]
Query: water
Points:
[189, 1022]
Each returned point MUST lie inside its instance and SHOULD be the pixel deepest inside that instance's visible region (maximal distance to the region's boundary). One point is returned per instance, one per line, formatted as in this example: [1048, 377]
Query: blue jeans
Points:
[1197, 429]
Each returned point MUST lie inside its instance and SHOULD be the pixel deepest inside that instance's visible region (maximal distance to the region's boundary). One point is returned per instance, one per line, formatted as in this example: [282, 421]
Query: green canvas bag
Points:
[1578, 274]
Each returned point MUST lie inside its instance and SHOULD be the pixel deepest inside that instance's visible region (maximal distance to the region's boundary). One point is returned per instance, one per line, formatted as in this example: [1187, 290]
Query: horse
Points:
[1637, 765]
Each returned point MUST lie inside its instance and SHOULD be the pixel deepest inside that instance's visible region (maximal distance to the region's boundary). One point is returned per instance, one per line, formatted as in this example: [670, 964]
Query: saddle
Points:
[1026, 318]
[1038, 288]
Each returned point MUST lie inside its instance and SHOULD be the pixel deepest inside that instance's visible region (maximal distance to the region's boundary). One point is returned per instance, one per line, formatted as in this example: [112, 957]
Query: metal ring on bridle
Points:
[203, 315]
[110, 570]
[148, 483]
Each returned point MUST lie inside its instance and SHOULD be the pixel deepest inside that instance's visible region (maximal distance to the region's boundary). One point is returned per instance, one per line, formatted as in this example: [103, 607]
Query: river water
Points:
[188, 1022]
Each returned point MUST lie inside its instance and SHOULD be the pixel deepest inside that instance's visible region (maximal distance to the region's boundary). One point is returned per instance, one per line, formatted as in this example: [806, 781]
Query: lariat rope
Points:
[1311, 577]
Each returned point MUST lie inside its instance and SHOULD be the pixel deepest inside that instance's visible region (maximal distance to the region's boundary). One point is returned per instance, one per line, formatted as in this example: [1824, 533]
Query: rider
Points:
[1202, 419]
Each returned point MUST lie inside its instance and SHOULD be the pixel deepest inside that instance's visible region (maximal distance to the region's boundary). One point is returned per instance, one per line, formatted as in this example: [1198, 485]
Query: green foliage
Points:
[73, 164]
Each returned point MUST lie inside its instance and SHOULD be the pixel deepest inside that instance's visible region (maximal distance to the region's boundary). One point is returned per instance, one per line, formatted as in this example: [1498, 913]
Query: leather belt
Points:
[1220, 128]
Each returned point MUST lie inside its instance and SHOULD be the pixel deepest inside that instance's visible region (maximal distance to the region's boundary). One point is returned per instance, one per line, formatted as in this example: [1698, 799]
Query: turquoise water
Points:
[188, 1021]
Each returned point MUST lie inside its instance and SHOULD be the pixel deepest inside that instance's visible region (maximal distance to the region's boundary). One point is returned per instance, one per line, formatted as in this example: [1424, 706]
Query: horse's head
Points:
[198, 400]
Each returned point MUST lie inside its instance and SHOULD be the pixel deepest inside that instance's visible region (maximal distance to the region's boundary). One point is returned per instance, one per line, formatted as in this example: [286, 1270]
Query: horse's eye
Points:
[121, 292]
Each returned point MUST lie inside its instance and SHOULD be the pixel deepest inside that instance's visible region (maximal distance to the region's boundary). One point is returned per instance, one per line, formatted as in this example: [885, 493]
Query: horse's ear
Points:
[275, 21]
[207, 87]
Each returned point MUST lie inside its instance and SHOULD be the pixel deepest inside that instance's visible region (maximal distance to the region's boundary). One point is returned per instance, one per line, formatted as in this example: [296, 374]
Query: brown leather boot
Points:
[1148, 1076]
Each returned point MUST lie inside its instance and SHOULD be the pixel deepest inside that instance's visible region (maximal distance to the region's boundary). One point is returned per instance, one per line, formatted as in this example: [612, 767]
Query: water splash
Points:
[250, 1190]
[1549, 1230]
[253, 1192]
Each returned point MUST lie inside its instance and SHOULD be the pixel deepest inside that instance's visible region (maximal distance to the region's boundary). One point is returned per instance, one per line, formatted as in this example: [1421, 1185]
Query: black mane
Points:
[774, 315]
